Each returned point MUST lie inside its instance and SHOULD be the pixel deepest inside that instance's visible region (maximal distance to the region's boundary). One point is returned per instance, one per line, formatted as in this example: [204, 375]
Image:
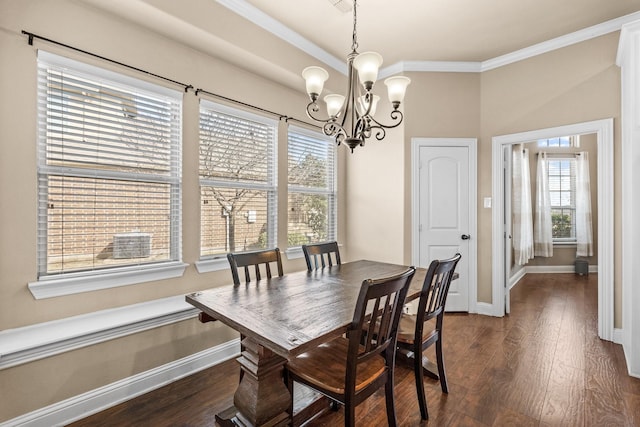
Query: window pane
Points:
[233, 220]
[308, 218]
[234, 148]
[91, 125]
[562, 223]
[95, 223]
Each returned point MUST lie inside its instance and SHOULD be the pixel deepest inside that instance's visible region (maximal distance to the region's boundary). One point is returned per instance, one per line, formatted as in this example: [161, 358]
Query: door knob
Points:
[465, 237]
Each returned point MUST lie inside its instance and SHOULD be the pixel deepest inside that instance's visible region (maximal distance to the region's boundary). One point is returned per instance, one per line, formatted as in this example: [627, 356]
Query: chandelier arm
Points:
[395, 115]
[312, 107]
[332, 128]
[379, 131]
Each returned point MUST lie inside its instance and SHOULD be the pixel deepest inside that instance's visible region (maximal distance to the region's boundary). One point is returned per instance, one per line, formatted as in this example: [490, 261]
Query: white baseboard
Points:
[513, 280]
[556, 269]
[94, 401]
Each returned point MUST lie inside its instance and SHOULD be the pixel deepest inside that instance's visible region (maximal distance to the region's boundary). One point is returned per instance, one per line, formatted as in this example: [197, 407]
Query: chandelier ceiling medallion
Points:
[351, 117]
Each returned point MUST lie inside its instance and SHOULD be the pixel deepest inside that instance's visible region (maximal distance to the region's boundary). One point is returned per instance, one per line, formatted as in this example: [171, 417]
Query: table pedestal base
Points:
[262, 398]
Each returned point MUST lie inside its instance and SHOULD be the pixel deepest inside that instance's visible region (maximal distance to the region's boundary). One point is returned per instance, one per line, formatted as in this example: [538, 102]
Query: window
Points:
[562, 192]
[312, 187]
[109, 178]
[562, 141]
[237, 180]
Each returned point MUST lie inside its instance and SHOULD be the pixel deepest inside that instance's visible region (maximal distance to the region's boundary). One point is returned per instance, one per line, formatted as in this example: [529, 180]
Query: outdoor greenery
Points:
[561, 225]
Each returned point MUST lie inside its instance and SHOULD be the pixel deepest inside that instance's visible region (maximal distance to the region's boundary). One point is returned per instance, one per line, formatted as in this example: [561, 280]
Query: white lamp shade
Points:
[315, 78]
[397, 86]
[363, 105]
[367, 64]
[334, 104]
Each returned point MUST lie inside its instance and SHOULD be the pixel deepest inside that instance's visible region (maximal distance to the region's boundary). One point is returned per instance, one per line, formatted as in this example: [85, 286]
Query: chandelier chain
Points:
[354, 45]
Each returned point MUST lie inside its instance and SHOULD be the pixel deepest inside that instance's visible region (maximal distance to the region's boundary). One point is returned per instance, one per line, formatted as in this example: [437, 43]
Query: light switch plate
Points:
[487, 202]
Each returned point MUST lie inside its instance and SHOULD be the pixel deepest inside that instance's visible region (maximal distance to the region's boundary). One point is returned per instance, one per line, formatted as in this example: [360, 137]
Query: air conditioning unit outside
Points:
[132, 245]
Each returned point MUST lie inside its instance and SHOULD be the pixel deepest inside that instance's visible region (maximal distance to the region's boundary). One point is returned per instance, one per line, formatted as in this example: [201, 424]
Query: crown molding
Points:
[255, 15]
[275, 27]
[431, 67]
[560, 42]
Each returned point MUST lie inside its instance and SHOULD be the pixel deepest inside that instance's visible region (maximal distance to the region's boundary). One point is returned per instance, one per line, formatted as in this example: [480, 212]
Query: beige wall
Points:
[37, 384]
[571, 85]
[379, 176]
[575, 84]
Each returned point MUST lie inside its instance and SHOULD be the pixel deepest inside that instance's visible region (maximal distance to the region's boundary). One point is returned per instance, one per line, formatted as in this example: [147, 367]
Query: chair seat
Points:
[407, 329]
[326, 364]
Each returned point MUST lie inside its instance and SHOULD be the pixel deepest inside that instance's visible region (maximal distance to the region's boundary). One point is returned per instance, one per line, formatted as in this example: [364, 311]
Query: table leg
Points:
[262, 398]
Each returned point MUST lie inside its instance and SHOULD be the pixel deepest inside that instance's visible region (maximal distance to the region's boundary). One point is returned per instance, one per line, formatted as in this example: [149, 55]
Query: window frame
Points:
[50, 284]
[559, 157]
[215, 262]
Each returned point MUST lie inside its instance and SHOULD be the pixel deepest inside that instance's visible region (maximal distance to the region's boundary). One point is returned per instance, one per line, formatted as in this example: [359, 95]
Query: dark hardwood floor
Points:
[543, 365]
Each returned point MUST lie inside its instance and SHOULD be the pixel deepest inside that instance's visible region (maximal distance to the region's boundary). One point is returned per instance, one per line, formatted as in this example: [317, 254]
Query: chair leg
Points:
[349, 414]
[391, 407]
[441, 373]
[417, 368]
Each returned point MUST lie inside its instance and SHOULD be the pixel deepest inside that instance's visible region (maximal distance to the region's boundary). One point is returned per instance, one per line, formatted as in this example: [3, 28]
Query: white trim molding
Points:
[94, 401]
[34, 342]
[629, 61]
[604, 131]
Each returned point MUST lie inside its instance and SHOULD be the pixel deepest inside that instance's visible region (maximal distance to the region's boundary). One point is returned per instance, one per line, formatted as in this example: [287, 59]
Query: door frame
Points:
[471, 145]
[604, 131]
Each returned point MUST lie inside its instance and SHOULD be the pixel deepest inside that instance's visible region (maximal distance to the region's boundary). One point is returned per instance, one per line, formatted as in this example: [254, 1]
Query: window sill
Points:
[50, 287]
[212, 264]
[565, 244]
[294, 253]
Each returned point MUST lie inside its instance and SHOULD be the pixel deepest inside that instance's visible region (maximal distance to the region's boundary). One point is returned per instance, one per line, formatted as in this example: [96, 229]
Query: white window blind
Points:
[312, 187]
[237, 180]
[562, 194]
[109, 169]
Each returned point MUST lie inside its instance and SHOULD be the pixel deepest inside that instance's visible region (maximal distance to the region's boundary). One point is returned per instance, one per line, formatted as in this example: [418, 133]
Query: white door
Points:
[443, 214]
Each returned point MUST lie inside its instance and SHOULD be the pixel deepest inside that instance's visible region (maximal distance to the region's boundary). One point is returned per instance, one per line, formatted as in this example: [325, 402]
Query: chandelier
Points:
[351, 117]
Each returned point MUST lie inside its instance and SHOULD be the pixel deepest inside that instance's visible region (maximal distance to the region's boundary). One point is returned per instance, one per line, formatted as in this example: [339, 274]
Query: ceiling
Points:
[278, 38]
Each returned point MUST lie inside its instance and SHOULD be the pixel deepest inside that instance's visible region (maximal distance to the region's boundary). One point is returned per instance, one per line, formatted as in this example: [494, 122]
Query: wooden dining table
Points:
[280, 318]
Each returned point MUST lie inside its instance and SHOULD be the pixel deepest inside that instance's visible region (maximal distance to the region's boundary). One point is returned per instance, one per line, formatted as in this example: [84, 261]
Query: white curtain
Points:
[584, 236]
[522, 214]
[543, 233]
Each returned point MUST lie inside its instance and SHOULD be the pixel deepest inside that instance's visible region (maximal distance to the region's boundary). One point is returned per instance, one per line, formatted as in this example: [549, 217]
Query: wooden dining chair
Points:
[319, 255]
[349, 369]
[254, 259]
[418, 332]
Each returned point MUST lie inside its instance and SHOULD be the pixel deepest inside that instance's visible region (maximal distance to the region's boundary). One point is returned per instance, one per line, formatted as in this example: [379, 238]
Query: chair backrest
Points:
[374, 328]
[435, 289]
[318, 255]
[254, 259]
